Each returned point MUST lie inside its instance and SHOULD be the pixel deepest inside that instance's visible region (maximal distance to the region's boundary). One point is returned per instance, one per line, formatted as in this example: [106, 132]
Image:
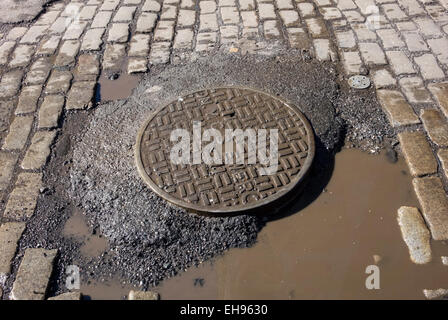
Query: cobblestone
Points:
[414, 90]
[440, 92]
[146, 22]
[22, 200]
[10, 234]
[7, 162]
[28, 99]
[119, 32]
[92, 40]
[399, 62]
[67, 53]
[428, 67]
[21, 56]
[125, 14]
[80, 95]
[415, 234]
[398, 111]
[49, 46]
[59, 82]
[39, 71]
[418, 153]
[102, 19]
[50, 111]
[372, 54]
[434, 203]
[33, 274]
[436, 126]
[39, 150]
[18, 133]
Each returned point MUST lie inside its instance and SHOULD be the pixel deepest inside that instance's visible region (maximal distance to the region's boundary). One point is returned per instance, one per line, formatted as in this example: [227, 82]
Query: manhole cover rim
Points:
[297, 181]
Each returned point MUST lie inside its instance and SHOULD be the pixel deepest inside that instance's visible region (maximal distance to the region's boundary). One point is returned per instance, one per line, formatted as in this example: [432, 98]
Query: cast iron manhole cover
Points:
[227, 187]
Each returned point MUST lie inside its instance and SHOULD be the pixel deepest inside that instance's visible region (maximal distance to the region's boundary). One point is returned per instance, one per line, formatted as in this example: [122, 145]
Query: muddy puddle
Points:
[322, 251]
[116, 86]
[92, 244]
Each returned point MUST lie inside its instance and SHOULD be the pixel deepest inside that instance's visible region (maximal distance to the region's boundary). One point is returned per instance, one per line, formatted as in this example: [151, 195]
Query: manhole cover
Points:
[359, 82]
[228, 186]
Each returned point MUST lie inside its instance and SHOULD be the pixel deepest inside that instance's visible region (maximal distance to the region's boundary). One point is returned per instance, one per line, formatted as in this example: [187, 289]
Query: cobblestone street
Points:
[50, 68]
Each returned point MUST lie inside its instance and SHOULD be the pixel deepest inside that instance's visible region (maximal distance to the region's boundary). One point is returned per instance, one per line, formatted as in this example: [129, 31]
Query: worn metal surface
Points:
[228, 187]
[359, 82]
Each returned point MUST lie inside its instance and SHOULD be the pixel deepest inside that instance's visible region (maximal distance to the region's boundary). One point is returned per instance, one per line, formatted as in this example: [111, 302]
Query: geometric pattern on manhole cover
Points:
[226, 187]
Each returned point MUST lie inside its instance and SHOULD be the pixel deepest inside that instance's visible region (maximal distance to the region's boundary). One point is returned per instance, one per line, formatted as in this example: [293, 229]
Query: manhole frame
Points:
[297, 183]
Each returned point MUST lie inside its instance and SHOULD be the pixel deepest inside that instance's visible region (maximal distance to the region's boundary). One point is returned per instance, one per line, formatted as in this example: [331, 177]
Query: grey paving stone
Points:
[164, 31]
[382, 78]
[124, 14]
[352, 62]
[316, 27]
[440, 48]
[205, 41]
[434, 203]
[429, 68]
[266, 11]
[39, 150]
[436, 294]
[75, 30]
[33, 275]
[59, 82]
[414, 90]
[160, 53]
[208, 22]
[372, 54]
[113, 56]
[110, 5]
[10, 83]
[139, 45]
[101, 19]
[47, 18]
[119, 32]
[207, 7]
[87, 13]
[398, 111]
[399, 62]
[436, 126]
[23, 199]
[229, 15]
[183, 39]
[151, 5]
[16, 33]
[415, 234]
[418, 153]
[290, 18]
[18, 133]
[59, 26]
[5, 51]
[48, 46]
[143, 295]
[414, 41]
[440, 92]
[33, 35]
[28, 99]
[146, 22]
[92, 40]
[67, 296]
[137, 65]
[80, 95]
[7, 162]
[21, 56]
[50, 111]
[345, 39]
[87, 67]
[168, 12]
[306, 9]
[10, 233]
[67, 53]
[39, 71]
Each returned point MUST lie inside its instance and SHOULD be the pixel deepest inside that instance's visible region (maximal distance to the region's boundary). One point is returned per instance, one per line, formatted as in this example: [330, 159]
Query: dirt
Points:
[92, 168]
[322, 251]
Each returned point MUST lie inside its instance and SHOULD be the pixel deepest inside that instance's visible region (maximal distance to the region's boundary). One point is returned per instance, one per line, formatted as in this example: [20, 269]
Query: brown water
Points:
[322, 251]
[121, 88]
[93, 245]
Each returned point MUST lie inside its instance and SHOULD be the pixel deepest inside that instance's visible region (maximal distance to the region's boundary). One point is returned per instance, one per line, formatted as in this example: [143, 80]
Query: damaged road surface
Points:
[349, 111]
[92, 169]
